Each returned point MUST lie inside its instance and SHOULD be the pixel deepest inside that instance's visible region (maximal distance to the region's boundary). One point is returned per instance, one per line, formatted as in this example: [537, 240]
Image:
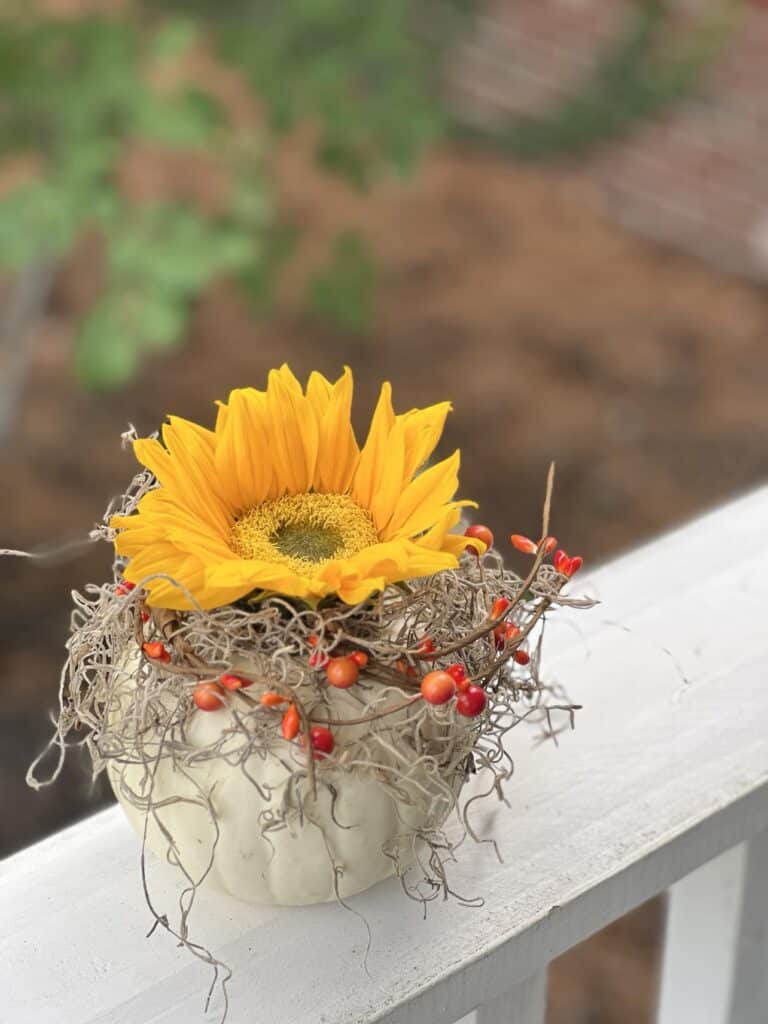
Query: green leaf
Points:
[187, 120]
[160, 321]
[37, 220]
[174, 39]
[106, 351]
[343, 294]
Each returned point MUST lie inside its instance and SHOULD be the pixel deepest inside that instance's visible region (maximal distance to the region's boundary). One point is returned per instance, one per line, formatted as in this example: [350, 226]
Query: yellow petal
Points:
[389, 484]
[183, 478]
[293, 433]
[374, 454]
[338, 452]
[423, 429]
[319, 391]
[243, 465]
[420, 504]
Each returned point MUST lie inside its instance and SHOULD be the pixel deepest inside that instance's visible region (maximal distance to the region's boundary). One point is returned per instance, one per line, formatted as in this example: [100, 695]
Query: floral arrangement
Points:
[303, 656]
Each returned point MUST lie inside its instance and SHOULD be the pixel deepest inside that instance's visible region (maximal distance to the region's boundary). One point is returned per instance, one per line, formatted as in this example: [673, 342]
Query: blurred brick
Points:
[694, 178]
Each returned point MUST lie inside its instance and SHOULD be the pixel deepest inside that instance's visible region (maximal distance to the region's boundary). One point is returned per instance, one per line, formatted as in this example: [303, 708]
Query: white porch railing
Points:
[663, 784]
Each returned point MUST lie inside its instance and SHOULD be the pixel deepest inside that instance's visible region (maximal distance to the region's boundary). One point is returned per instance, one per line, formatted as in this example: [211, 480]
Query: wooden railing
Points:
[663, 785]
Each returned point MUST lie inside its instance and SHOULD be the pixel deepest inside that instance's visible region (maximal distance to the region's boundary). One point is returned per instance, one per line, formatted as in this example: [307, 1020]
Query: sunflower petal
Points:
[243, 466]
[293, 433]
[422, 501]
[373, 457]
[338, 452]
[423, 429]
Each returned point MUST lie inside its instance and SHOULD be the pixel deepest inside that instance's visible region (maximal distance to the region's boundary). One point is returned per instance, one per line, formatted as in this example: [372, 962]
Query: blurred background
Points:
[553, 212]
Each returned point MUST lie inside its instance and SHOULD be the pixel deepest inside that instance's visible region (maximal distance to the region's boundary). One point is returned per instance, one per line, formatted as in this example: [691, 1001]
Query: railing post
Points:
[524, 1004]
[715, 967]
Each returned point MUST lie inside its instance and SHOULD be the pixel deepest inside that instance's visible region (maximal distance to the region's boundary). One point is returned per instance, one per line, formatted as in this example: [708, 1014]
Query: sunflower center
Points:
[303, 531]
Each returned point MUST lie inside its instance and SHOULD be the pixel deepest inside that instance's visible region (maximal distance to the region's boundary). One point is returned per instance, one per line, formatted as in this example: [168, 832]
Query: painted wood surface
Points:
[716, 945]
[668, 768]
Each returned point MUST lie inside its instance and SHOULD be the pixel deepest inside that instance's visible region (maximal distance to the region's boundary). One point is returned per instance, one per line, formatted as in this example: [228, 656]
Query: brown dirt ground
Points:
[642, 373]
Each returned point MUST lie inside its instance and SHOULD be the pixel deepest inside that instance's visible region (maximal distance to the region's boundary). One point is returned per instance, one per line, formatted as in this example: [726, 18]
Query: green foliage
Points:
[343, 294]
[361, 72]
[75, 94]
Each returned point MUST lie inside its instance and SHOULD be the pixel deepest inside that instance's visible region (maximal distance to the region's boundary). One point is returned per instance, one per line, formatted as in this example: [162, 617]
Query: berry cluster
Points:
[437, 687]
[440, 686]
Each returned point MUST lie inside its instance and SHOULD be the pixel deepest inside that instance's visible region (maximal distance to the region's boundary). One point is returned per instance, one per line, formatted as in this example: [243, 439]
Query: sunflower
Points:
[279, 497]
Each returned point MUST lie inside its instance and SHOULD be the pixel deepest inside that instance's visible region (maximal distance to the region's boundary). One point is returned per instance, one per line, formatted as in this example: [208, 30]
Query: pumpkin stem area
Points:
[303, 531]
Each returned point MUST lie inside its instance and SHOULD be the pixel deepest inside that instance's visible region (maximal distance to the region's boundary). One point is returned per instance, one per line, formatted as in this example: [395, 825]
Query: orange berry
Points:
[438, 687]
[524, 544]
[360, 658]
[478, 532]
[232, 682]
[156, 651]
[342, 672]
[549, 544]
[208, 696]
[481, 533]
[500, 605]
[290, 723]
[521, 657]
[272, 700]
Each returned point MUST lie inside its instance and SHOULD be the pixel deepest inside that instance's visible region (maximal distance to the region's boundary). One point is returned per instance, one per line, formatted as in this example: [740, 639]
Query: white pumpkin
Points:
[344, 831]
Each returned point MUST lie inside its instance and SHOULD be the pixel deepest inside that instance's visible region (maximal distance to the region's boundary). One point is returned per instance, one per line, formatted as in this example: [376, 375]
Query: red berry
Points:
[505, 633]
[521, 657]
[208, 696]
[524, 544]
[342, 672]
[156, 651]
[457, 672]
[549, 544]
[438, 687]
[565, 565]
[481, 533]
[500, 605]
[426, 646]
[321, 740]
[125, 588]
[472, 702]
[318, 659]
[145, 616]
[404, 668]
[232, 682]
[290, 723]
[360, 658]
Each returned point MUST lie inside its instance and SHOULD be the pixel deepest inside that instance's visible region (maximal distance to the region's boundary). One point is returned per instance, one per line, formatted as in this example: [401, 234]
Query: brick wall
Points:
[695, 178]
